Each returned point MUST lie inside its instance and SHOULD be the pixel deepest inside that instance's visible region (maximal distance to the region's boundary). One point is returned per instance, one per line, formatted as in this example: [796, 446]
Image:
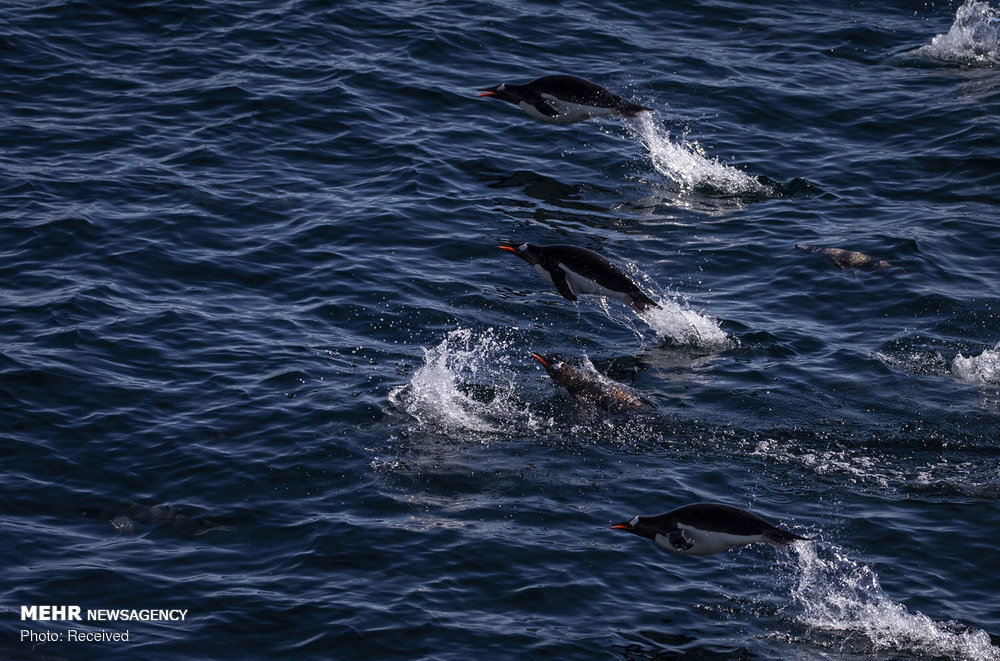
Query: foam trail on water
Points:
[973, 39]
[465, 384]
[981, 370]
[685, 163]
[839, 595]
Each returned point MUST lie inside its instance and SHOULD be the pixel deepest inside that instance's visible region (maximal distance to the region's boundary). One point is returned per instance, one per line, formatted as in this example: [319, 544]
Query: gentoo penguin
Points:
[706, 528]
[167, 517]
[591, 386]
[563, 99]
[576, 271]
[848, 258]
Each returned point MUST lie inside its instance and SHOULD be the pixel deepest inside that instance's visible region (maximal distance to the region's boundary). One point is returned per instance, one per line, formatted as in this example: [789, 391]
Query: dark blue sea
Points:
[262, 361]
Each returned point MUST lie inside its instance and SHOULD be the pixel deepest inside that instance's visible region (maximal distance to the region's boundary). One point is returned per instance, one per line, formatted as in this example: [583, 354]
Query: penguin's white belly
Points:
[567, 112]
[706, 542]
[540, 270]
[582, 285]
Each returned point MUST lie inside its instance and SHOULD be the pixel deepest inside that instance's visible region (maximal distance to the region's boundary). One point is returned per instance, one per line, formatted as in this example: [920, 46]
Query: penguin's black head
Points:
[637, 525]
[503, 91]
[551, 363]
[525, 251]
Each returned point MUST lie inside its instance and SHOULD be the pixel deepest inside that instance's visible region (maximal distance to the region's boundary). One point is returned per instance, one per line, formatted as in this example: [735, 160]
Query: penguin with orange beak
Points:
[588, 386]
[563, 99]
[706, 528]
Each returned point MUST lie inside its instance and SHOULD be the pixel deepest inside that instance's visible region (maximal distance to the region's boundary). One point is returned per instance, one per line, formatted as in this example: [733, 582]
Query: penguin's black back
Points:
[720, 518]
[575, 89]
[578, 90]
[588, 264]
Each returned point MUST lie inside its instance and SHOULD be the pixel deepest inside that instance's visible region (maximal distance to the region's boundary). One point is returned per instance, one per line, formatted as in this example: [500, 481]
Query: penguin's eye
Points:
[635, 520]
[523, 247]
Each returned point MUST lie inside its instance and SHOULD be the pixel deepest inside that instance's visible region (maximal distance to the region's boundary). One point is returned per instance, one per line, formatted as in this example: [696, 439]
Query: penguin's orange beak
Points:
[620, 526]
[487, 93]
[544, 362]
[510, 248]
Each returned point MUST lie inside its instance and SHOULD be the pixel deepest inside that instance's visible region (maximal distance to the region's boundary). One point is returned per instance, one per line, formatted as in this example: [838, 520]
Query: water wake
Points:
[972, 40]
[981, 370]
[466, 384]
[685, 164]
[840, 596]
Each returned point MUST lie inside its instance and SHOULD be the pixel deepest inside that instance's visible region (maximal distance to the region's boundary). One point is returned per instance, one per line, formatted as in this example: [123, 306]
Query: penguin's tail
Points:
[632, 109]
[780, 537]
[640, 302]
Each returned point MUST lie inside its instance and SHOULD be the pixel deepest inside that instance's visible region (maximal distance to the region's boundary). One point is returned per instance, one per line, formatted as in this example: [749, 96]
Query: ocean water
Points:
[262, 361]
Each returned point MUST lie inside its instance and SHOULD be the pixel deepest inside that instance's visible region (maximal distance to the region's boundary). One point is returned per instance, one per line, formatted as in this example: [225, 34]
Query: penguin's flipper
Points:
[562, 284]
[544, 108]
[679, 540]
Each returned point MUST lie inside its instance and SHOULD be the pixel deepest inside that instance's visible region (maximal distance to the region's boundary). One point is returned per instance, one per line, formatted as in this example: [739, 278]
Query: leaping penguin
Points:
[706, 528]
[591, 386]
[563, 99]
[577, 271]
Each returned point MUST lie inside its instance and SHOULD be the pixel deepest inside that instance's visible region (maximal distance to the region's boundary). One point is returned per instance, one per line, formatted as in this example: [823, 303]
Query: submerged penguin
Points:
[848, 258]
[587, 386]
[123, 519]
[563, 99]
[576, 271]
[706, 528]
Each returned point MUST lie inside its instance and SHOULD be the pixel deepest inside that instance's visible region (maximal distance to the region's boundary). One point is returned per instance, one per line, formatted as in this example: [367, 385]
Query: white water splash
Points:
[674, 322]
[685, 327]
[465, 384]
[686, 164]
[973, 39]
[838, 595]
[981, 370]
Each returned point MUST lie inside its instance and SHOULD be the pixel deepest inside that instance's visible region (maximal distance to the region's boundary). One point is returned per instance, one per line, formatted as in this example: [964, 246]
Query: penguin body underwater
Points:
[166, 517]
[562, 99]
[575, 271]
[589, 386]
[706, 528]
[848, 259]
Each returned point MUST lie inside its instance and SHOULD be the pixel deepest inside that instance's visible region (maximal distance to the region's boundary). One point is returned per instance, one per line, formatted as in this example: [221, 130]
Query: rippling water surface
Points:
[250, 269]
